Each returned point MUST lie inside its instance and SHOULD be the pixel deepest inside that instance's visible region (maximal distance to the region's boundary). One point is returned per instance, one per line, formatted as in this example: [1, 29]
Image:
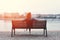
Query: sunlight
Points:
[34, 6]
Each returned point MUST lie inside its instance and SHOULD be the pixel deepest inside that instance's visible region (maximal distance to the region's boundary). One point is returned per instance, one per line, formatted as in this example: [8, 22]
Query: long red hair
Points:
[28, 16]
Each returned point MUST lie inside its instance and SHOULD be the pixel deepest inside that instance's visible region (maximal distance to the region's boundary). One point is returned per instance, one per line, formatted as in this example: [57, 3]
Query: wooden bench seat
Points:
[22, 24]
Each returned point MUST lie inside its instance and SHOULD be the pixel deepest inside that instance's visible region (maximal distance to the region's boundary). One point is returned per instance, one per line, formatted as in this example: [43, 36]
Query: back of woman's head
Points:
[28, 16]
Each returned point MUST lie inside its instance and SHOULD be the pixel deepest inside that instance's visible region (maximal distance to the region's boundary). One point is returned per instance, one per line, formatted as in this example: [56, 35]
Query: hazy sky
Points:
[34, 6]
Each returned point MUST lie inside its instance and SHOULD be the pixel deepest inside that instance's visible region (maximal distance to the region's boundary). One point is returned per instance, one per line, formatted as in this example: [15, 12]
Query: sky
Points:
[34, 6]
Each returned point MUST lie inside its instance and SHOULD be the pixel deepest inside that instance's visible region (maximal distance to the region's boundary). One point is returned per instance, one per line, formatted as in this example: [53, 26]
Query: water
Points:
[53, 25]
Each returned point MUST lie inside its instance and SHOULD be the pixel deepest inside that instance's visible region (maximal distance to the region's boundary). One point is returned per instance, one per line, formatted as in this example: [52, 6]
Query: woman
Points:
[29, 21]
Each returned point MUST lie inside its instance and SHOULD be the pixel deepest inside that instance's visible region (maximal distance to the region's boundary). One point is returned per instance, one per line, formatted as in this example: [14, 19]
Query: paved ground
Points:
[35, 35]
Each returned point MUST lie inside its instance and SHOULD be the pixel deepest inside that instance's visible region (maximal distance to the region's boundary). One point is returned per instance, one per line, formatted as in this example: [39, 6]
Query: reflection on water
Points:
[51, 25]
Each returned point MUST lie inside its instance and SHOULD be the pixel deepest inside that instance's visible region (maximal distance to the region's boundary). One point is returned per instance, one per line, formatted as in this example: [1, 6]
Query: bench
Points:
[22, 24]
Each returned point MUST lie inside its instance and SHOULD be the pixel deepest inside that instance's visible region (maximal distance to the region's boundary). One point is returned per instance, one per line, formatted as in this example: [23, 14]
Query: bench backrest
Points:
[23, 24]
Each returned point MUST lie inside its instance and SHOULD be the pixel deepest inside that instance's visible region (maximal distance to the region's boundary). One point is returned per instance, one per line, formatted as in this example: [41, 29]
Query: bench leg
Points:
[45, 32]
[30, 31]
[12, 33]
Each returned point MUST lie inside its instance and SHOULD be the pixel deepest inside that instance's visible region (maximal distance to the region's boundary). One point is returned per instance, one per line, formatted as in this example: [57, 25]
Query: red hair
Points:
[28, 16]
